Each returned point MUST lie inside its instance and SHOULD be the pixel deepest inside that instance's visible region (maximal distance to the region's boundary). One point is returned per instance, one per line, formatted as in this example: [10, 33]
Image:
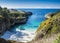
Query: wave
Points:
[19, 35]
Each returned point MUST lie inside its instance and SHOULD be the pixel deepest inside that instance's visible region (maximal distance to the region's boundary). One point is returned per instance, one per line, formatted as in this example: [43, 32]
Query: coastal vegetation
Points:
[10, 17]
[57, 40]
[47, 32]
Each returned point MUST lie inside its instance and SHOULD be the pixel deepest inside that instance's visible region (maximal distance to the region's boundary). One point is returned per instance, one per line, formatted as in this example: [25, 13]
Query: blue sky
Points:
[30, 3]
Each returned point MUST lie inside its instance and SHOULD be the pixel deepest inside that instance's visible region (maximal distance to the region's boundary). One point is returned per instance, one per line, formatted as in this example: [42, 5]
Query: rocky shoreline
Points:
[10, 17]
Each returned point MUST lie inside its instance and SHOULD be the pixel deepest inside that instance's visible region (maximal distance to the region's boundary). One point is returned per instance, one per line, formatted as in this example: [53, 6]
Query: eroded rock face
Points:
[9, 18]
[2, 27]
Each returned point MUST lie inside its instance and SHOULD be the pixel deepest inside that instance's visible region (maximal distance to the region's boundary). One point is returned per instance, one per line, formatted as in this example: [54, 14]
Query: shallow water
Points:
[26, 32]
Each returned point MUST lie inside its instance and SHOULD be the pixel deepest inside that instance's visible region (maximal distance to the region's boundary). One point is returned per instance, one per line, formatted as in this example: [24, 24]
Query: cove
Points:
[26, 32]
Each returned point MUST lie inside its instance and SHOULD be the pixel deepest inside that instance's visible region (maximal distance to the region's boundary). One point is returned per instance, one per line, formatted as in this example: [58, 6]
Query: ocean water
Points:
[26, 32]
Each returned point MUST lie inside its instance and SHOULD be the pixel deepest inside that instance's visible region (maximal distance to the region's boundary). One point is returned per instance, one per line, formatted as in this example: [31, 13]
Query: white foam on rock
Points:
[20, 35]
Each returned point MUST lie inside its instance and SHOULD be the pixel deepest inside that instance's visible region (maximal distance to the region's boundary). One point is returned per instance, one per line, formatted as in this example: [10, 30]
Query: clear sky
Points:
[30, 3]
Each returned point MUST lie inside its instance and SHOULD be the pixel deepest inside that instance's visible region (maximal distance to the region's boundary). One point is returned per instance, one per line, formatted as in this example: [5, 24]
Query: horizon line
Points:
[32, 7]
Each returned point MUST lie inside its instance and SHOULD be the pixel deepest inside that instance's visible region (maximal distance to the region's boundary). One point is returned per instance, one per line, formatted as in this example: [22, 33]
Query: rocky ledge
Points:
[10, 17]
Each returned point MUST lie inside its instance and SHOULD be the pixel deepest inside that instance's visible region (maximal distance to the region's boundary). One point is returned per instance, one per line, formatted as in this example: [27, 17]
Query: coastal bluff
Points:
[10, 17]
[47, 32]
[49, 29]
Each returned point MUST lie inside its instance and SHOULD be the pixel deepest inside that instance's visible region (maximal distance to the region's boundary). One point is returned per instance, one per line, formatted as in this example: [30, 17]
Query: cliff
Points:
[49, 30]
[10, 17]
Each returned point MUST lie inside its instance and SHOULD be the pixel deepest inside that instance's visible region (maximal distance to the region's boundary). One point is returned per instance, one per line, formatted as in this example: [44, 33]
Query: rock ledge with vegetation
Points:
[10, 17]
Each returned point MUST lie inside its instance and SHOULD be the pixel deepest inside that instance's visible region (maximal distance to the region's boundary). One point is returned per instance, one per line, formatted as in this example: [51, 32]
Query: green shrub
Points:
[57, 40]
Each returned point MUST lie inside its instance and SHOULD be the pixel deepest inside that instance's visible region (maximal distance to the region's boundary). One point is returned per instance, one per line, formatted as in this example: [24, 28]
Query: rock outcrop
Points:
[49, 30]
[10, 17]
[49, 15]
[8, 41]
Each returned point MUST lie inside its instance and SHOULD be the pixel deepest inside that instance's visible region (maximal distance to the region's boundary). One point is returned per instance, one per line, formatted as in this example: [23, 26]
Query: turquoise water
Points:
[23, 32]
[34, 20]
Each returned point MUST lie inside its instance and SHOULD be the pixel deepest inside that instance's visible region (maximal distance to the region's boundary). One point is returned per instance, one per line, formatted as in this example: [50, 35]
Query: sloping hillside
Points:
[49, 30]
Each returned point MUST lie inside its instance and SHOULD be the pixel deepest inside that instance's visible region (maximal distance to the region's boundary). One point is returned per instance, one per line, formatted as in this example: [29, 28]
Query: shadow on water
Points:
[16, 26]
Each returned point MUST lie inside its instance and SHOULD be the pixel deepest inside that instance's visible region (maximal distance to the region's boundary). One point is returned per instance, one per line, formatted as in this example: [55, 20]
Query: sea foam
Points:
[19, 35]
